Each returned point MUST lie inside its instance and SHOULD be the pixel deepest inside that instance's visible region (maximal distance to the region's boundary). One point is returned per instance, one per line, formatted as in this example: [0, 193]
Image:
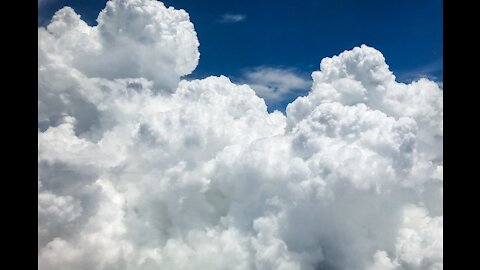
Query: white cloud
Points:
[275, 84]
[132, 39]
[420, 239]
[383, 262]
[232, 18]
[202, 177]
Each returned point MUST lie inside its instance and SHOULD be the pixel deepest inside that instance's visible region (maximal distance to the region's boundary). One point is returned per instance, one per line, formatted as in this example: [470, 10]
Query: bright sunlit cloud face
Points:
[42, 2]
[138, 169]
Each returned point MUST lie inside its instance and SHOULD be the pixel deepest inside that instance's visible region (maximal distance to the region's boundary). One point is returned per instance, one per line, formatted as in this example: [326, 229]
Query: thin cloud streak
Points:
[425, 71]
[232, 18]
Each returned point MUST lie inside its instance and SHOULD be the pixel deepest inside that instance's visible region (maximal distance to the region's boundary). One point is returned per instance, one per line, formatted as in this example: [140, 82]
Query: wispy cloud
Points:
[232, 18]
[275, 84]
[425, 71]
[42, 2]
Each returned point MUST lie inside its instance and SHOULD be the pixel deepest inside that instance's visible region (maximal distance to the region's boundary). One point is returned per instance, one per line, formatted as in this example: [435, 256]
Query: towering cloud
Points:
[132, 39]
[138, 169]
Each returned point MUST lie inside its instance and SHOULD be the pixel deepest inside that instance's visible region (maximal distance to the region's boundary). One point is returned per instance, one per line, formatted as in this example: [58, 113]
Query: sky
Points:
[170, 140]
[242, 36]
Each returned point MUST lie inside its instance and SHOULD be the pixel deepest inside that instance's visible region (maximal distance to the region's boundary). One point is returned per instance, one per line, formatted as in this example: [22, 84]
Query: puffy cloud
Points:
[275, 84]
[132, 39]
[420, 239]
[202, 177]
[383, 262]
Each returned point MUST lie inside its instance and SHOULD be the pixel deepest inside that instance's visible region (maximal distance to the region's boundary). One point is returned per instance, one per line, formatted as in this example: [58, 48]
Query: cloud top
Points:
[132, 39]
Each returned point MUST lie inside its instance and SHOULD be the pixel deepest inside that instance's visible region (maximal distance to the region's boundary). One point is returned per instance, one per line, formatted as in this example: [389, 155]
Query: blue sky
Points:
[237, 37]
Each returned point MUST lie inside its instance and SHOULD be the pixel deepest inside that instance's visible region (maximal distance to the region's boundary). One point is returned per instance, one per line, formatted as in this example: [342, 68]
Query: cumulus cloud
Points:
[132, 39]
[232, 18]
[275, 84]
[138, 169]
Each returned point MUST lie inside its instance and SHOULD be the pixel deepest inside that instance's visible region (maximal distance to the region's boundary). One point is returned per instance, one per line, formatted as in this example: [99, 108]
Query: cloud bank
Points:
[138, 169]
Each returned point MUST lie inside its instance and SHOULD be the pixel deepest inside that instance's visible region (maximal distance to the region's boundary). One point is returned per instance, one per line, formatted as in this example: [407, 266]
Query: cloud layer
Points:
[138, 169]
